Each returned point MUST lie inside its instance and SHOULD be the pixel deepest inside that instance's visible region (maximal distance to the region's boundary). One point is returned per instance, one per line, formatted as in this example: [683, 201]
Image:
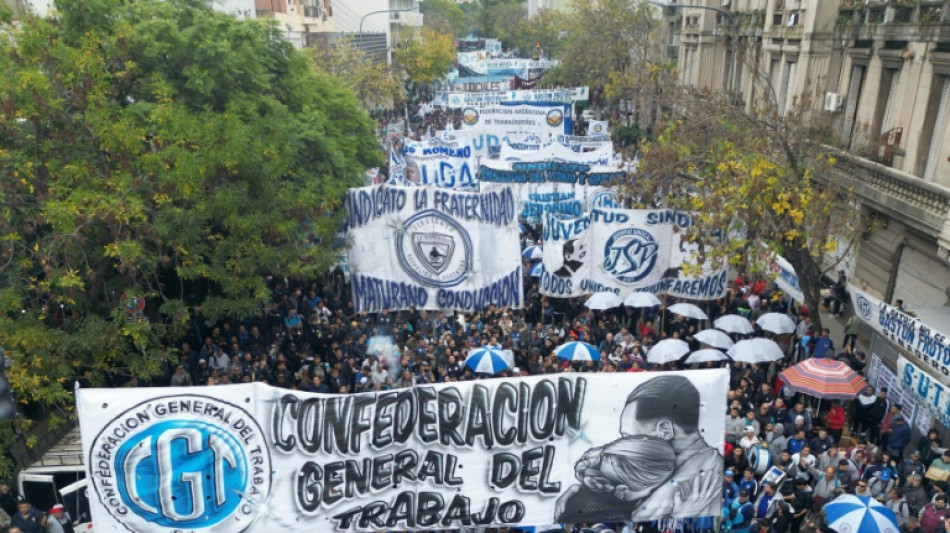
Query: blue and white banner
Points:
[786, 278]
[548, 172]
[545, 121]
[440, 164]
[625, 251]
[929, 347]
[554, 151]
[927, 390]
[536, 200]
[498, 453]
[433, 248]
[483, 98]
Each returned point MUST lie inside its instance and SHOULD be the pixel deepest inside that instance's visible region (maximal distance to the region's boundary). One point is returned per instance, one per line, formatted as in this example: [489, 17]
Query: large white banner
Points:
[929, 347]
[433, 248]
[925, 389]
[545, 121]
[625, 251]
[503, 452]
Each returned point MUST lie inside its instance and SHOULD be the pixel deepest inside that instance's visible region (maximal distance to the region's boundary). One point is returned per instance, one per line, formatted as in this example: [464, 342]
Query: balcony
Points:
[892, 20]
[903, 196]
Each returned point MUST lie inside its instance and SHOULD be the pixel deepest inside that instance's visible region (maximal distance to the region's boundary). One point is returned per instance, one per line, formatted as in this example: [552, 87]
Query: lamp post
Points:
[360, 34]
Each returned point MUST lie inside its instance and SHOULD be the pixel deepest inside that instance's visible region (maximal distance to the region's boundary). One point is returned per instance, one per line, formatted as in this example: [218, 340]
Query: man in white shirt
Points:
[750, 439]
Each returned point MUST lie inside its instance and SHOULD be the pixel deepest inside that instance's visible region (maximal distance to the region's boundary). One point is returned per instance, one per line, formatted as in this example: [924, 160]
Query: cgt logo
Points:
[183, 462]
[864, 308]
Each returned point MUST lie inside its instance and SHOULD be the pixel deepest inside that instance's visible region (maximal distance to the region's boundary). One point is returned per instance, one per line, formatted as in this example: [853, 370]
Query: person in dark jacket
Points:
[28, 519]
[900, 437]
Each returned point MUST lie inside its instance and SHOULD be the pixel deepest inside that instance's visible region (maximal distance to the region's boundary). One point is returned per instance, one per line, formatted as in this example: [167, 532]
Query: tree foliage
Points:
[445, 16]
[610, 47]
[490, 17]
[376, 84]
[425, 54]
[156, 149]
[757, 178]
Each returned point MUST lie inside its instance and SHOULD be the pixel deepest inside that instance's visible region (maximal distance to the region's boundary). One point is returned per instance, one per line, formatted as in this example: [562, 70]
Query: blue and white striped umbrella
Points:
[860, 514]
[532, 252]
[577, 351]
[536, 270]
[487, 360]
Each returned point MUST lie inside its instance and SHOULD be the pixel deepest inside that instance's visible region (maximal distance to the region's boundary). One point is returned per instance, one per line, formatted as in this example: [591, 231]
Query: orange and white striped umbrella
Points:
[824, 378]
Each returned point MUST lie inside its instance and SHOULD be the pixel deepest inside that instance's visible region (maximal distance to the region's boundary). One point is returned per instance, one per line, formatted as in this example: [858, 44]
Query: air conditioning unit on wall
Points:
[833, 102]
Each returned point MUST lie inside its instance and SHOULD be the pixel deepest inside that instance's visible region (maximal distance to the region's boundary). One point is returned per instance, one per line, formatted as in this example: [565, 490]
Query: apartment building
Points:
[879, 73]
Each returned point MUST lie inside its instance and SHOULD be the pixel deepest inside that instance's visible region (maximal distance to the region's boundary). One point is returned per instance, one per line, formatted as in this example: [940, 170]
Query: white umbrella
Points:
[603, 300]
[756, 350]
[734, 324]
[641, 299]
[779, 323]
[704, 356]
[667, 350]
[714, 338]
[688, 310]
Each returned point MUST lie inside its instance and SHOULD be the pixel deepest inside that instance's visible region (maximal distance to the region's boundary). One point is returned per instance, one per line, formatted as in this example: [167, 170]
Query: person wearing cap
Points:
[739, 513]
[58, 521]
[730, 489]
[934, 513]
[749, 439]
[911, 465]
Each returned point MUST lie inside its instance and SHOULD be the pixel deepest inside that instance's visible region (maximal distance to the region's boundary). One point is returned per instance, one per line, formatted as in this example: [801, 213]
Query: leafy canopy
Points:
[156, 149]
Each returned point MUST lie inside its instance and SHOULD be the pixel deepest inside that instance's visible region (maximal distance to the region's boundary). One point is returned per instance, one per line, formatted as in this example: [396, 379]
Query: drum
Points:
[760, 459]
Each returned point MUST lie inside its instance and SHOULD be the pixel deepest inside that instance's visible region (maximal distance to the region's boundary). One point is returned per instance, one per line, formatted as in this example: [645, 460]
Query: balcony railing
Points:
[924, 20]
[895, 192]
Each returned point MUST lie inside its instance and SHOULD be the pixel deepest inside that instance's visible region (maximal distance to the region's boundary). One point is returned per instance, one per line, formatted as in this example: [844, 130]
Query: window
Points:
[854, 94]
[932, 135]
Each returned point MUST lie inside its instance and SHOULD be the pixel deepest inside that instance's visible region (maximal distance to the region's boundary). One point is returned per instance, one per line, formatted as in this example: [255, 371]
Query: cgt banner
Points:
[433, 248]
[625, 251]
[249, 458]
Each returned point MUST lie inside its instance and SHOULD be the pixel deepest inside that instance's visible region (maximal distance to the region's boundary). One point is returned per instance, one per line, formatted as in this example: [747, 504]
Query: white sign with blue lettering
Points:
[433, 248]
[440, 164]
[925, 389]
[929, 347]
[624, 251]
[545, 121]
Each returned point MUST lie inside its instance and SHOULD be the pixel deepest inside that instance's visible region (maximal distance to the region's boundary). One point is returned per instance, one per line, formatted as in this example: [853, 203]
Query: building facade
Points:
[878, 73]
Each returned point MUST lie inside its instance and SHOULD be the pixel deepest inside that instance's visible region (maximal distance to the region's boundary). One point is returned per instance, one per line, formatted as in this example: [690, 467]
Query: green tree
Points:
[376, 84]
[492, 17]
[156, 149]
[610, 47]
[445, 16]
[758, 178]
[425, 54]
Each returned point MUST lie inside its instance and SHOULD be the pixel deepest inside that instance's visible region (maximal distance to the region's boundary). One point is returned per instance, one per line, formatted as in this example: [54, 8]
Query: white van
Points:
[59, 476]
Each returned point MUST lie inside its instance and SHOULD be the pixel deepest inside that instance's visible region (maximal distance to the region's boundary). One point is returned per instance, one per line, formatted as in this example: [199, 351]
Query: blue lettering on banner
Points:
[669, 216]
[556, 286]
[496, 208]
[448, 151]
[373, 294]
[362, 206]
[447, 175]
[548, 172]
[502, 293]
[588, 285]
[562, 230]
